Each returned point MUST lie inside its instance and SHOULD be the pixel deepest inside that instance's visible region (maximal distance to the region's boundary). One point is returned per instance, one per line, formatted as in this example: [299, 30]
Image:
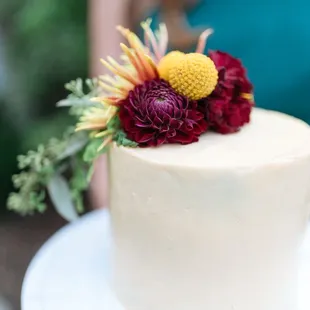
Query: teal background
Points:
[272, 38]
[43, 45]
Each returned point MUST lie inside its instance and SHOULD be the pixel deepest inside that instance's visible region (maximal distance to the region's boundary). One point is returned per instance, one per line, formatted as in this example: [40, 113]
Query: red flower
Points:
[229, 106]
[227, 117]
[154, 114]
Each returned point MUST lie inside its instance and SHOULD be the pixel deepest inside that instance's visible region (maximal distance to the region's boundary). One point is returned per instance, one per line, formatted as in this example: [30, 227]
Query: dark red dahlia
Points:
[229, 106]
[154, 114]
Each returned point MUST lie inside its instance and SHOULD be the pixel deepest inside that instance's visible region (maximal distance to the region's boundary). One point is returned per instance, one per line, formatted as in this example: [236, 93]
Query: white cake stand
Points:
[70, 269]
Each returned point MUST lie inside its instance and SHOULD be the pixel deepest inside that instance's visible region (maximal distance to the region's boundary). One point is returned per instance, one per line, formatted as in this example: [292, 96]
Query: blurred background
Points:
[43, 44]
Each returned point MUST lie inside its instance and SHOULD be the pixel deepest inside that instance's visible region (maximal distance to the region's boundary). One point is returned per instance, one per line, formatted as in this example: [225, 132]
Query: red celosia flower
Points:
[227, 117]
[154, 114]
[229, 106]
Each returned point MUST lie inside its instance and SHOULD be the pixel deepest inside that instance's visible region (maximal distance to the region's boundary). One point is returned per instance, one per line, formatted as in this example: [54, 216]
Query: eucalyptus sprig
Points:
[119, 136]
[80, 96]
[46, 169]
[43, 170]
[39, 168]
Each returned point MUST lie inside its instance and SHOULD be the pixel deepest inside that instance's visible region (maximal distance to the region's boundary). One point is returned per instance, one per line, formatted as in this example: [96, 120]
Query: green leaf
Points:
[121, 139]
[77, 102]
[79, 178]
[119, 136]
[27, 201]
[92, 150]
[77, 197]
[114, 124]
[92, 84]
[41, 195]
[60, 195]
[75, 144]
[90, 173]
[79, 182]
[41, 207]
[15, 203]
[76, 87]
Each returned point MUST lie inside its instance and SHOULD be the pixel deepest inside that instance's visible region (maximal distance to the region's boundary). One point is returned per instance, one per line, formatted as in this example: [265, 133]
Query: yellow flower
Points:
[96, 118]
[194, 76]
[168, 62]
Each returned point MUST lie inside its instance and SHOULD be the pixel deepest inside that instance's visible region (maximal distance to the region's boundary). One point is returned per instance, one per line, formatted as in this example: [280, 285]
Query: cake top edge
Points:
[272, 138]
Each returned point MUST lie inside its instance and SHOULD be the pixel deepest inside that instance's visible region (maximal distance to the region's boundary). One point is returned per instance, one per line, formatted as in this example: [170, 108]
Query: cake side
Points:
[215, 236]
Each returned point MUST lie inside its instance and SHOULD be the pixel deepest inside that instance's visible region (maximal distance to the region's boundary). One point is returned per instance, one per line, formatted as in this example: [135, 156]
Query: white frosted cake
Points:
[209, 196]
[214, 225]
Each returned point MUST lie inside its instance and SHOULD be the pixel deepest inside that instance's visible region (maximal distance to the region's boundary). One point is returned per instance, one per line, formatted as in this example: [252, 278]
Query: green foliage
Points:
[79, 181]
[44, 168]
[46, 45]
[60, 195]
[121, 139]
[92, 150]
[119, 135]
[80, 96]
[37, 169]
[76, 87]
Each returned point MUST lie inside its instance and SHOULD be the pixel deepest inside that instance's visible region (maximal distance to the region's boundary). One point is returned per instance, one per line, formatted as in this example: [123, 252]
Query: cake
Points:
[215, 224]
[209, 196]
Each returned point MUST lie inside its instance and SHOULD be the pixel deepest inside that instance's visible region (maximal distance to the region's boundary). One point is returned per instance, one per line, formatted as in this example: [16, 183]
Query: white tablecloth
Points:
[68, 272]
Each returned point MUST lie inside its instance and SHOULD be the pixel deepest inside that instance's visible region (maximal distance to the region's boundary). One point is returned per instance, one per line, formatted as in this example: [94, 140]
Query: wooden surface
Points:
[20, 238]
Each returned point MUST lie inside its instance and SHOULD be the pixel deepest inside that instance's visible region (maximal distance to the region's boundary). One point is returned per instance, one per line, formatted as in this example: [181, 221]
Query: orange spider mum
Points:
[139, 62]
[96, 118]
[139, 66]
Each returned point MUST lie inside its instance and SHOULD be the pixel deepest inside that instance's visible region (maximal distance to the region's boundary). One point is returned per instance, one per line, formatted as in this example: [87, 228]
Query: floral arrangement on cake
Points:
[150, 98]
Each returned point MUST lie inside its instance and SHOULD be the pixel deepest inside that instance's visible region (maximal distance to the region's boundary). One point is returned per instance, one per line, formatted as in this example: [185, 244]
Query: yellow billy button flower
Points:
[194, 76]
[168, 62]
